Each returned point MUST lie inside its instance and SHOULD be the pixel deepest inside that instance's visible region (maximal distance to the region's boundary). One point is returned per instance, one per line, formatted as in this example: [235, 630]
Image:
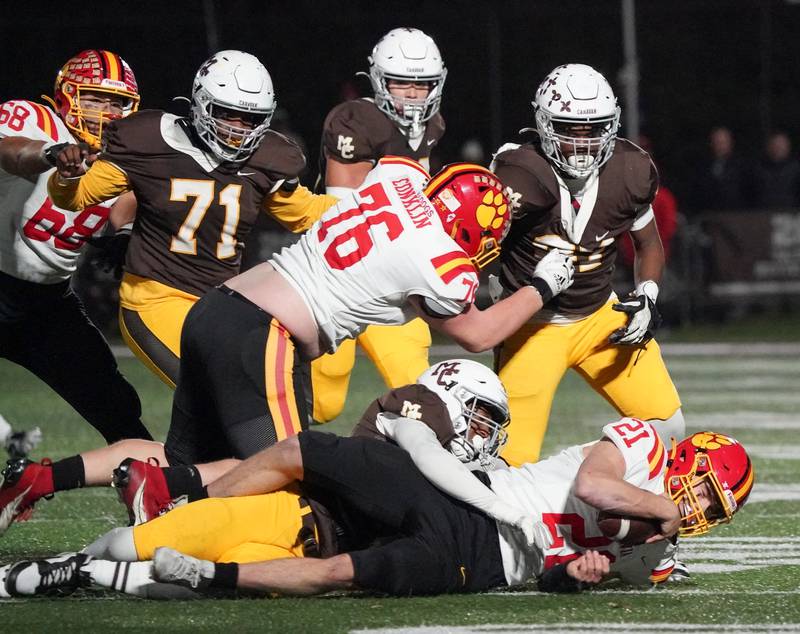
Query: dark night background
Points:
[701, 63]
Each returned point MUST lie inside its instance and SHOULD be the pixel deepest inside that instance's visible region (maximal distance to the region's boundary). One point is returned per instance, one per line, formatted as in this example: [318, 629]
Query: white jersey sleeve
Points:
[40, 242]
[362, 261]
[643, 451]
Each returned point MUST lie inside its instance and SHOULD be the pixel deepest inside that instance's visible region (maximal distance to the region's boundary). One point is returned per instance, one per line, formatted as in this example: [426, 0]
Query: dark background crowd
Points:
[718, 87]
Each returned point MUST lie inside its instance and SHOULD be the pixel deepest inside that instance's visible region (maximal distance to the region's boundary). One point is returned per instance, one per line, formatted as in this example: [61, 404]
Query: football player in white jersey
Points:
[395, 249]
[43, 326]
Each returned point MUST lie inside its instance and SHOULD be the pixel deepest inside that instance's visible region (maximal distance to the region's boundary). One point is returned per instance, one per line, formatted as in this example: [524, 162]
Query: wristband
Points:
[542, 288]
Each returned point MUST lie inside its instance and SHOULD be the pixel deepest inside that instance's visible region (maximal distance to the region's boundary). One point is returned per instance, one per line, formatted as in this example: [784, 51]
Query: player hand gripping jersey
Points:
[402, 119]
[575, 190]
[43, 326]
[200, 183]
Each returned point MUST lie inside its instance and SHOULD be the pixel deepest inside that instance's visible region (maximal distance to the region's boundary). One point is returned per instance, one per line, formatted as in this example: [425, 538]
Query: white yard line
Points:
[572, 628]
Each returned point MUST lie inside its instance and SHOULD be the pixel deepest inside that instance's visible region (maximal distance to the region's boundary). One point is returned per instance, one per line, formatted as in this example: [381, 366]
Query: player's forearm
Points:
[447, 473]
[617, 496]
[299, 577]
[21, 156]
[102, 182]
[649, 261]
[480, 330]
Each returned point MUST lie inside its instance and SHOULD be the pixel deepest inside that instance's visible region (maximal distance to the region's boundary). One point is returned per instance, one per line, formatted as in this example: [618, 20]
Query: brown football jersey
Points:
[357, 131]
[412, 401]
[194, 212]
[547, 217]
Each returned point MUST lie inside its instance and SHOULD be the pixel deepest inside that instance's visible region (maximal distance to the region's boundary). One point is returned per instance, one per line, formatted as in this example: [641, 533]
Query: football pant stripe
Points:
[278, 366]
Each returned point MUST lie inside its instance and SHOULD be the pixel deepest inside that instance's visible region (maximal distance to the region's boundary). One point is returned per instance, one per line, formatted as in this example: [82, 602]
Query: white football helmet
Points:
[577, 118]
[407, 55]
[236, 83]
[478, 406]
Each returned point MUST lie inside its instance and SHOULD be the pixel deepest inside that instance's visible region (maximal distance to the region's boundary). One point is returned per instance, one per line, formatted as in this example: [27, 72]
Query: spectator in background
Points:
[723, 181]
[777, 176]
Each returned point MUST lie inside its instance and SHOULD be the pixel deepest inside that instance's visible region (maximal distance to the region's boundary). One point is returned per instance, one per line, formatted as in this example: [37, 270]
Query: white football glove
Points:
[537, 535]
[553, 274]
[643, 316]
[18, 443]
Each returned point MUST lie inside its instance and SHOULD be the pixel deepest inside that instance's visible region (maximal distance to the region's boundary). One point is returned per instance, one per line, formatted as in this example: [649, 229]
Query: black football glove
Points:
[643, 316]
[109, 255]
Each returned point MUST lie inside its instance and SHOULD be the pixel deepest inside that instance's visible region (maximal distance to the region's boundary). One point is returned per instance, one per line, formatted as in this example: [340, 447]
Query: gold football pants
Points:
[151, 317]
[400, 353]
[239, 529]
[532, 362]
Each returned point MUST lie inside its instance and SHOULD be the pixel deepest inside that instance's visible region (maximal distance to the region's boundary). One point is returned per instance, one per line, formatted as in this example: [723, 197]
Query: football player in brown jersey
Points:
[200, 182]
[576, 189]
[407, 75]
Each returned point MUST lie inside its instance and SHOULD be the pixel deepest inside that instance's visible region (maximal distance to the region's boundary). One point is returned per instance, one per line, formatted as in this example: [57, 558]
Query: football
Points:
[628, 531]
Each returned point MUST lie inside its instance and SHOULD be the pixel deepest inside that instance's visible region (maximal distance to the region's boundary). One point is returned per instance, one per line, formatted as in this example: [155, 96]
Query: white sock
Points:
[673, 427]
[128, 577]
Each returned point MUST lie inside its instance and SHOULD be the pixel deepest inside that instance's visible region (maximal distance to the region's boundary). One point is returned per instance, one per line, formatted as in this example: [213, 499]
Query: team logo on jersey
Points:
[344, 145]
[411, 410]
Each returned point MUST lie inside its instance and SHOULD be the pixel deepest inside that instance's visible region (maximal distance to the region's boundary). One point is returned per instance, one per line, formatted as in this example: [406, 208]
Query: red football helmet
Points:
[100, 72]
[473, 208]
[718, 461]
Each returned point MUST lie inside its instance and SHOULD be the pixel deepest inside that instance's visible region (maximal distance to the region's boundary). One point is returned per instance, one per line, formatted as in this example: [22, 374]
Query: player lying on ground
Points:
[396, 249]
[398, 534]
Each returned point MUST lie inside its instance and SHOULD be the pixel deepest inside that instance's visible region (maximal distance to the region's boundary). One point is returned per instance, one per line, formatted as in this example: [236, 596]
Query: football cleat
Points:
[59, 576]
[24, 482]
[171, 566]
[680, 572]
[142, 488]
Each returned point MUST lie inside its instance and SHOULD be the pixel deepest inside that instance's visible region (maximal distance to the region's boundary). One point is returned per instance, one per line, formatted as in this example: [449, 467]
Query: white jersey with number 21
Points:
[545, 489]
[360, 262]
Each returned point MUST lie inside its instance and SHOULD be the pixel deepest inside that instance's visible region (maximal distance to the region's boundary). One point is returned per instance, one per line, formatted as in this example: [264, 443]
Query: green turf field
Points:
[746, 577]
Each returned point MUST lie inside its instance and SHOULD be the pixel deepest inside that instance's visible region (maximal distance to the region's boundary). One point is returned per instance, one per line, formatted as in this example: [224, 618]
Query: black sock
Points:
[225, 576]
[68, 474]
[185, 480]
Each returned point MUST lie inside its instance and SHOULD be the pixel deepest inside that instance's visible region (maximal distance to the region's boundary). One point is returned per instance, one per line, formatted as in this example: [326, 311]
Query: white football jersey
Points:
[360, 262]
[545, 489]
[38, 241]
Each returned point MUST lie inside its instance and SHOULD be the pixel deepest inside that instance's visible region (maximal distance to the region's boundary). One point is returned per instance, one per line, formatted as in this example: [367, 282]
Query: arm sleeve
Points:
[102, 182]
[444, 470]
[298, 209]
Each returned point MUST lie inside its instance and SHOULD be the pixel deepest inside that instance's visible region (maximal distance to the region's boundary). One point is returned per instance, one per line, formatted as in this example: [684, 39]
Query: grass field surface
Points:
[745, 577]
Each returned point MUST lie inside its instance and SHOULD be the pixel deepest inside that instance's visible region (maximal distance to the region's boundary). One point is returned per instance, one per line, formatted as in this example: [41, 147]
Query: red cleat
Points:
[24, 482]
[142, 488]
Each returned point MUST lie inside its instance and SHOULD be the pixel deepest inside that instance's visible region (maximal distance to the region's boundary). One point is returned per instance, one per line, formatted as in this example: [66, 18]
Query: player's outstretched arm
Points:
[22, 156]
[70, 188]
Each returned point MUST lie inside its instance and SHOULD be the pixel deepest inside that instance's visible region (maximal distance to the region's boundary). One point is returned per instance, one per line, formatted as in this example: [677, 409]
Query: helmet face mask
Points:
[577, 119]
[232, 104]
[93, 88]
[478, 406]
[407, 57]
[709, 478]
[473, 207]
